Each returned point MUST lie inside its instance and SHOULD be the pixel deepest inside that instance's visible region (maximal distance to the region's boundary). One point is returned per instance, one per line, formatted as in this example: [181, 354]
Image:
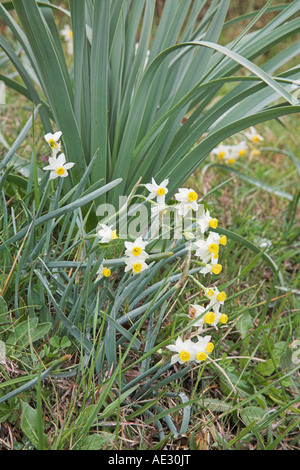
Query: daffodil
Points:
[216, 298]
[206, 249]
[213, 268]
[159, 209]
[106, 234]
[52, 140]
[197, 311]
[135, 265]
[184, 350]
[103, 272]
[58, 167]
[202, 348]
[188, 201]
[67, 34]
[253, 135]
[158, 190]
[205, 222]
[219, 239]
[136, 249]
[241, 148]
[222, 151]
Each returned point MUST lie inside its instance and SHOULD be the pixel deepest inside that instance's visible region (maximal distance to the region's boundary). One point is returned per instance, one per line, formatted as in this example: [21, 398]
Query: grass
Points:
[246, 399]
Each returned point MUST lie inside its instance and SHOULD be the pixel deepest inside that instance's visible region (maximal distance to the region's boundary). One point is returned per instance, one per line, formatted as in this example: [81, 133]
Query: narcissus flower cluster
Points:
[136, 256]
[230, 153]
[200, 315]
[191, 350]
[58, 165]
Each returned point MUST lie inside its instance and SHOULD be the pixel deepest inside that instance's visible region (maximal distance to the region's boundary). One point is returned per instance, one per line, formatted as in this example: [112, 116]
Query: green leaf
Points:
[100, 441]
[3, 306]
[266, 368]
[252, 414]
[27, 332]
[244, 324]
[29, 425]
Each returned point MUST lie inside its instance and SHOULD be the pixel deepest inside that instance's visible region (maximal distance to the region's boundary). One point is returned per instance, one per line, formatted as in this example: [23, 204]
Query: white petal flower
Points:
[67, 34]
[157, 190]
[106, 234]
[103, 272]
[222, 151]
[253, 135]
[197, 311]
[205, 249]
[216, 298]
[159, 209]
[52, 140]
[202, 347]
[188, 201]
[135, 265]
[205, 222]
[184, 351]
[58, 167]
[213, 268]
[136, 249]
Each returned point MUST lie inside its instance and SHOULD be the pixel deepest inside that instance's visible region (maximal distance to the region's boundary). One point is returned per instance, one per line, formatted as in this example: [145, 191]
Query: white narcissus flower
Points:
[219, 239]
[213, 268]
[52, 140]
[58, 167]
[216, 298]
[136, 265]
[197, 311]
[107, 234]
[222, 151]
[188, 201]
[205, 222]
[136, 249]
[241, 148]
[236, 151]
[253, 135]
[67, 34]
[184, 351]
[103, 272]
[202, 347]
[158, 190]
[206, 249]
[159, 209]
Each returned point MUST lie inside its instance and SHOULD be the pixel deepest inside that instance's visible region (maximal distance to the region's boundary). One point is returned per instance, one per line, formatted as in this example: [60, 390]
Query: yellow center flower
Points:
[184, 355]
[221, 155]
[223, 240]
[53, 144]
[242, 152]
[201, 356]
[210, 292]
[161, 191]
[70, 34]
[209, 347]
[137, 251]
[223, 318]
[256, 152]
[192, 196]
[106, 272]
[114, 235]
[210, 318]
[231, 160]
[213, 248]
[60, 171]
[255, 139]
[221, 296]
[213, 223]
[217, 268]
[137, 267]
